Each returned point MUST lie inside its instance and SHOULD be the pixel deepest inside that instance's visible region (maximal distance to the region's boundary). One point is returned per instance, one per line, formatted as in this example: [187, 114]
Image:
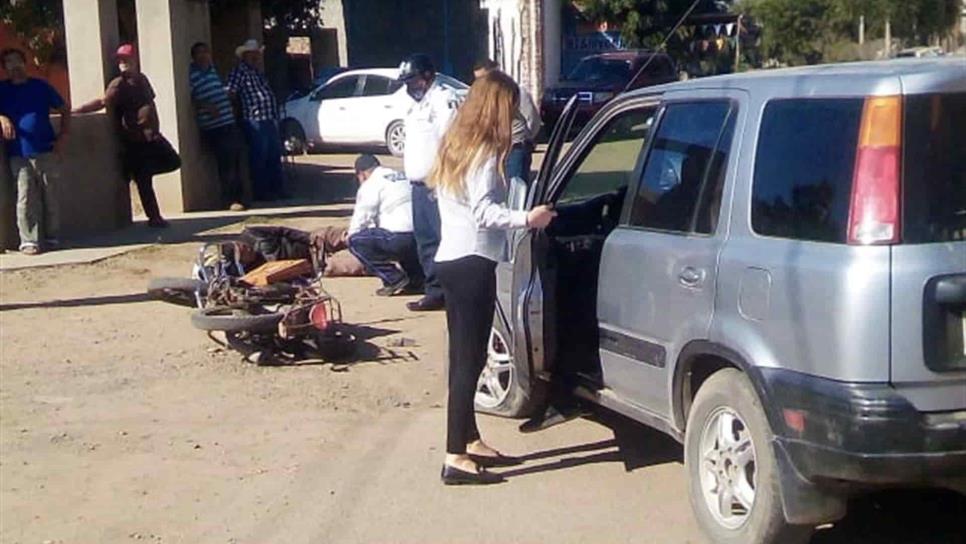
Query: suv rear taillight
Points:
[874, 212]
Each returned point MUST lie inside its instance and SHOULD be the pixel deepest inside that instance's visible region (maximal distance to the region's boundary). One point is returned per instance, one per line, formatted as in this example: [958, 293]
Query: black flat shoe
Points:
[426, 304]
[454, 476]
[550, 417]
[496, 461]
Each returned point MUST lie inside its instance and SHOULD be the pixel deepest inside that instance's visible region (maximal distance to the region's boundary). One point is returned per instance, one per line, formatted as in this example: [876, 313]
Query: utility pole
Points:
[738, 44]
[888, 38]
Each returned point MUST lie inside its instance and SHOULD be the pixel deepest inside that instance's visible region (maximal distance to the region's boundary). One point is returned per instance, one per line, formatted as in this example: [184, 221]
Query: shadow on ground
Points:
[900, 517]
[634, 445]
[78, 302]
[888, 517]
[360, 350]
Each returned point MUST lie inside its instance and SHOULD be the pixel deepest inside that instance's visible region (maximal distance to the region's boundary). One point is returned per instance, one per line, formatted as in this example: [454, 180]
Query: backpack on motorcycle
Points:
[278, 243]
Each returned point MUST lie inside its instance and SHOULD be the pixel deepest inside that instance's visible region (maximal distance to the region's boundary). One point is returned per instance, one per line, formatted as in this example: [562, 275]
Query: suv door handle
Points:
[951, 291]
[690, 277]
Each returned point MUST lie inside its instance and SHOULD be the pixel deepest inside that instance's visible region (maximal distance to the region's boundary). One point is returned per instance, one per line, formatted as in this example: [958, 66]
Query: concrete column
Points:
[333, 16]
[166, 31]
[552, 44]
[94, 196]
[92, 37]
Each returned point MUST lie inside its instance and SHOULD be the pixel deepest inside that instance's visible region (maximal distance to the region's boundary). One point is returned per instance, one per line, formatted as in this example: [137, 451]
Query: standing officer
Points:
[426, 123]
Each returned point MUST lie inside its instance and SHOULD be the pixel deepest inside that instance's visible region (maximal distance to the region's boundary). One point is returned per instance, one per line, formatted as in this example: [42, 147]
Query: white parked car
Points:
[362, 107]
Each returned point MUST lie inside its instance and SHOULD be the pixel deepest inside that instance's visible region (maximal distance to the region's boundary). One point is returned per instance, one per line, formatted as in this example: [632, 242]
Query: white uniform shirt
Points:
[476, 223]
[526, 122]
[383, 201]
[426, 123]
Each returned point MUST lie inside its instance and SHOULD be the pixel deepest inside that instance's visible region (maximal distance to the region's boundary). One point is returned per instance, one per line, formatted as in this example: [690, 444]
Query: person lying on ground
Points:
[339, 261]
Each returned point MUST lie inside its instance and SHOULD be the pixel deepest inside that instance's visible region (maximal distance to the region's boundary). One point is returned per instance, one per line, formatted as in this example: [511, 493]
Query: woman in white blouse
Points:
[469, 180]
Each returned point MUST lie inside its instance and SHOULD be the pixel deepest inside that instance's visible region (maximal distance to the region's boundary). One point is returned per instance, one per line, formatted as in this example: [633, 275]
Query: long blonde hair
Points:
[482, 130]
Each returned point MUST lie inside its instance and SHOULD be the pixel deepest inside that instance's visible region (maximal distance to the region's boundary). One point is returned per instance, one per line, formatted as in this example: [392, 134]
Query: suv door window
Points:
[377, 86]
[609, 163]
[934, 177]
[686, 166]
[343, 88]
[804, 167]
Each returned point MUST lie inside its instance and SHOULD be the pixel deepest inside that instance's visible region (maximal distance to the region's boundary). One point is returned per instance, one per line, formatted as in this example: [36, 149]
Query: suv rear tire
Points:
[730, 461]
[501, 391]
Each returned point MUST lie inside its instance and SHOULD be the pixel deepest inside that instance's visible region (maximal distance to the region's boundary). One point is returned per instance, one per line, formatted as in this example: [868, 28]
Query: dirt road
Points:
[120, 422]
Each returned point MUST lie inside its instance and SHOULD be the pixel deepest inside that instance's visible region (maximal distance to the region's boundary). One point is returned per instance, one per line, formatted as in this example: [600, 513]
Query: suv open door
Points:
[506, 386]
[531, 279]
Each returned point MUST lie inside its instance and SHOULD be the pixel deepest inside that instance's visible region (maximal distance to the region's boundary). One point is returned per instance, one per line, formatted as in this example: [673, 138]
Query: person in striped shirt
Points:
[219, 132]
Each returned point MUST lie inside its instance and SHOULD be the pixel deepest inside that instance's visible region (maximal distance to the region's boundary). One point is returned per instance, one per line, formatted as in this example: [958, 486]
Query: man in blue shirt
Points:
[260, 121]
[25, 105]
[217, 123]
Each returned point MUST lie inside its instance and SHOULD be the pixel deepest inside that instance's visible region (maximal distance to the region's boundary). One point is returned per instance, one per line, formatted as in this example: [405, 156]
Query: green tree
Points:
[289, 15]
[34, 22]
[794, 31]
[801, 31]
[644, 23]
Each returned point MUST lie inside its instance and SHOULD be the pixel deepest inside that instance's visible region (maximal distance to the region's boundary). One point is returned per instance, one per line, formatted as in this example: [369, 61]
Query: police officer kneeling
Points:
[381, 230]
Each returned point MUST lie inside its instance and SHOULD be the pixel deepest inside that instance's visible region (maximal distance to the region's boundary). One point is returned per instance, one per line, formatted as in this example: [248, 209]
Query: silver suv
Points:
[769, 267]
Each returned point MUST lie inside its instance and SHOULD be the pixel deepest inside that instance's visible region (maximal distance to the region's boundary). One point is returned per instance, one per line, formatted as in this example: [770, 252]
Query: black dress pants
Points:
[469, 285]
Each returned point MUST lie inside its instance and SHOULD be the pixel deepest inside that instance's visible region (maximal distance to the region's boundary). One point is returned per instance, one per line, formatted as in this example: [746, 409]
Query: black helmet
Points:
[416, 65]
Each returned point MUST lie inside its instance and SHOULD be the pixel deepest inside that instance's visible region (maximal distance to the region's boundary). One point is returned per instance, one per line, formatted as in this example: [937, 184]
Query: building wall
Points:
[166, 30]
[524, 39]
[333, 21]
[92, 194]
[380, 33]
[505, 27]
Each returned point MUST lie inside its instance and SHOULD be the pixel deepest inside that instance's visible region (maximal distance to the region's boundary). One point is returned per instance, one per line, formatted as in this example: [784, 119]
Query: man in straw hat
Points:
[259, 121]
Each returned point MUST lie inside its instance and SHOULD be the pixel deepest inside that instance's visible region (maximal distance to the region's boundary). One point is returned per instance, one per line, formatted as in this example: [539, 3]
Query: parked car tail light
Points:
[874, 213]
[319, 316]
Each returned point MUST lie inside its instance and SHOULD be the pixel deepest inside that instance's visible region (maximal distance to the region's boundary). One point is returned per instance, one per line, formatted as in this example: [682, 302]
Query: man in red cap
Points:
[129, 99]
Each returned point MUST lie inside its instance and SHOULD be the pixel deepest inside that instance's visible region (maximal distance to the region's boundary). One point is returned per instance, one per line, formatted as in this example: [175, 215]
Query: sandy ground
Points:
[120, 422]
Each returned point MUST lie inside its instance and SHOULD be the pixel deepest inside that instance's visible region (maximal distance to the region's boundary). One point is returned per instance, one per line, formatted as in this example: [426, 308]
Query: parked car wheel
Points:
[501, 389]
[733, 482]
[396, 138]
[293, 138]
[220, 318]
[177, 291]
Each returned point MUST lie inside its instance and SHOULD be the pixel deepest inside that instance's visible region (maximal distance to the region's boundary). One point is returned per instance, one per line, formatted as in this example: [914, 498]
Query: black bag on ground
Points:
[278, 243]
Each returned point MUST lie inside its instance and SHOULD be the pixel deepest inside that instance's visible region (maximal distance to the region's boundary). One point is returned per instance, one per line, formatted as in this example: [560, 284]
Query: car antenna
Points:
[663, 44]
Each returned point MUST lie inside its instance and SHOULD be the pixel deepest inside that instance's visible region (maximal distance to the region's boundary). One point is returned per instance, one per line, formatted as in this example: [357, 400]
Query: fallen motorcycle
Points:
[281, 315]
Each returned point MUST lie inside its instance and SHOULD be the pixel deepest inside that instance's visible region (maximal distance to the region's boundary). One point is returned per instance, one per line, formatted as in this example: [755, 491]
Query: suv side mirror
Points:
[316, 95]
[517, 194]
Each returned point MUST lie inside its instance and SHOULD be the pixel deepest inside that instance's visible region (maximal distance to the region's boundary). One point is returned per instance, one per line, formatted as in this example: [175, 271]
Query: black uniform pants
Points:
[469, 285]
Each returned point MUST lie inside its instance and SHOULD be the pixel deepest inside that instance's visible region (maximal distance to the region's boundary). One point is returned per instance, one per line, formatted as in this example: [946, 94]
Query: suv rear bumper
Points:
[867, 434]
